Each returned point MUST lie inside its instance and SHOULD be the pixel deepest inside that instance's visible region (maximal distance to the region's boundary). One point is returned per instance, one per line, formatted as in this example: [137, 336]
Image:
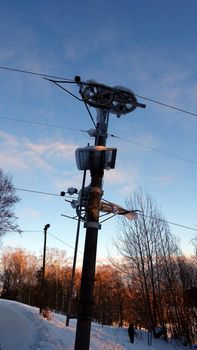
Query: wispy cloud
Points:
[87, 44]
[20, 154]
[125, 181]
[151, 71]
[68, 180]
[8, 139]
[52, 149]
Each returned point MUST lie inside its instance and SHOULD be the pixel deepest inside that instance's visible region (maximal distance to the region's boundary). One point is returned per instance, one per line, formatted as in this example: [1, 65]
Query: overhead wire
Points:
[79, 99]
[101, 263]
[83, 131]
[41, 123]
[39, 192]
[151, 217]
[124, 139]
[112, 135]
[171, 223]
[60, 240]
[167, 105]
[145, 146]
[90, 114]
[34, 73]
[57, 238]
[24, 231]
[68, 92]
[68, 80]
[115, 136]
[154, 149]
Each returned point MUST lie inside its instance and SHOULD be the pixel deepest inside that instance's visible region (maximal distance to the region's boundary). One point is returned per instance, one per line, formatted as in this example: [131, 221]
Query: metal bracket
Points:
[92, 224]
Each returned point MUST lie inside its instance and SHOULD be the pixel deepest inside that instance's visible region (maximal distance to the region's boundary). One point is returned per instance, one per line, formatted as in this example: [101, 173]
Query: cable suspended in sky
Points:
[72, 81]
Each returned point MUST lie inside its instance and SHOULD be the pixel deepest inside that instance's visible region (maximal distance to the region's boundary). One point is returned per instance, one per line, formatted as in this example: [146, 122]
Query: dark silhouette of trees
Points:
[8, 199]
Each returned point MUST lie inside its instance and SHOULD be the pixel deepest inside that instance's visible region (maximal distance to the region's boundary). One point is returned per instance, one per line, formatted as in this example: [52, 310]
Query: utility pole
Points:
[42, 288]
[105, 99]
[119, 101]
[92, 225]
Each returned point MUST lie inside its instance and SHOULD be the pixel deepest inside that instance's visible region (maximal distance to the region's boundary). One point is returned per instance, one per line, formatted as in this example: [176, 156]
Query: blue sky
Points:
[148, 46]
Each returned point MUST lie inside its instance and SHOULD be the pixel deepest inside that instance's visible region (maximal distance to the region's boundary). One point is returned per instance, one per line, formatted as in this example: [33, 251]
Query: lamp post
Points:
[42, 291]
[96, 158]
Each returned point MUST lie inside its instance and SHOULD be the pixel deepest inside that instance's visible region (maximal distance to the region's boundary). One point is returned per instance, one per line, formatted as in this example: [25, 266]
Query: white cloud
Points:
[125, 181]
[115, 176]
[150, 72]
[11, 161]
[69, 180]
[52, 149]
[20, 154]
[8, 139]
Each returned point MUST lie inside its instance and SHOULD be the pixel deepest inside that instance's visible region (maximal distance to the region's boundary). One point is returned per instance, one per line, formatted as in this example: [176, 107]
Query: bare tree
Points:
[8, 199]
[21, 275]
[194, 242]
[146, 245]
[57, 277]
[18, 274]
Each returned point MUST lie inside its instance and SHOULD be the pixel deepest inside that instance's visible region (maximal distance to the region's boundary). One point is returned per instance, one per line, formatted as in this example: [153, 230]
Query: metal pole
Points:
[42, 292]
[82, 340]
[75, 257]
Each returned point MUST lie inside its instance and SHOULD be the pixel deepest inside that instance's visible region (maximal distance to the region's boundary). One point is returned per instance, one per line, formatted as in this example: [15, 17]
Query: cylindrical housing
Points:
[95, 157]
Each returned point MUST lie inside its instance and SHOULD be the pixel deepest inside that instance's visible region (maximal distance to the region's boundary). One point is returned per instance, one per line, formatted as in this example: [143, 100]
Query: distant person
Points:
[131, 332]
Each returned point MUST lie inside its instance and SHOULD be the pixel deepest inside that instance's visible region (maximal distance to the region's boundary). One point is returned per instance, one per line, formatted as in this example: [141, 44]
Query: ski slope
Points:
[22, 328]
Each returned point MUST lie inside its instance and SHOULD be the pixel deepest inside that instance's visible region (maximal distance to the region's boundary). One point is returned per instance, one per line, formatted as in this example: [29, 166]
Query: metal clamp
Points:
[92, 224]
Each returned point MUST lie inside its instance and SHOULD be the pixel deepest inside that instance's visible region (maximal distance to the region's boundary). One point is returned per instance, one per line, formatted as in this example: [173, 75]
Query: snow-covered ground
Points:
[22, 328]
